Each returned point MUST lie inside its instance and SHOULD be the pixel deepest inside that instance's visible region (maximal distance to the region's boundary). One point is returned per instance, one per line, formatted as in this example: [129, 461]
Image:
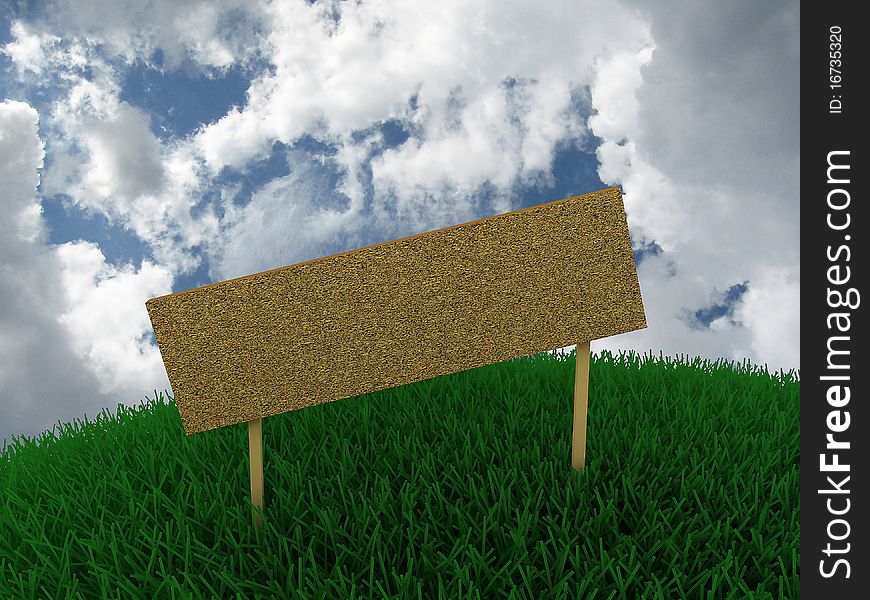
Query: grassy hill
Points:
[455, 487]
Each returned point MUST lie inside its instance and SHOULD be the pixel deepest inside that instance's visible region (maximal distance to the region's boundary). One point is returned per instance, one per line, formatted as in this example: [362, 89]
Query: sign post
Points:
[255, 450]
[581, 401]
[400, 312]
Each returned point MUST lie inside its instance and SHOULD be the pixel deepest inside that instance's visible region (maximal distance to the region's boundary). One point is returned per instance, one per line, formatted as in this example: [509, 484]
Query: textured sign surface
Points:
[457, 298]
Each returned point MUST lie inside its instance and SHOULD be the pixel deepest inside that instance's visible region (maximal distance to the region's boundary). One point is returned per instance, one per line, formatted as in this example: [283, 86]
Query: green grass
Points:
[456, 487]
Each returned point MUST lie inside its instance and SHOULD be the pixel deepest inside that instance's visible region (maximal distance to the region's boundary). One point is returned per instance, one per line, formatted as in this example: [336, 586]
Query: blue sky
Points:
[177, 146]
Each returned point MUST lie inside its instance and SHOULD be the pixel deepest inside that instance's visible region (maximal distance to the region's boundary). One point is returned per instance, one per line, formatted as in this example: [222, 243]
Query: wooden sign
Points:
[403, 311]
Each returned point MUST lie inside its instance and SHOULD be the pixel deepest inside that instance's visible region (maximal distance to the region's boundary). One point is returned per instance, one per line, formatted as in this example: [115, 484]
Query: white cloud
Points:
[108, 139]
[209, 34]
[44, 374]
[103, 152]
[771, 310]
[106, 157]
[284, 222]
[709, 166]
[22, 155]
[107, 318]
[43, 59]
[124, 156]
[27, 51]
[341, 69]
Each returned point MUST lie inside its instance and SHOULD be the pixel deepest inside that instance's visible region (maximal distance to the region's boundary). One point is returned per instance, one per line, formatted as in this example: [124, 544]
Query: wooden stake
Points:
[255, 445]
[581, 402]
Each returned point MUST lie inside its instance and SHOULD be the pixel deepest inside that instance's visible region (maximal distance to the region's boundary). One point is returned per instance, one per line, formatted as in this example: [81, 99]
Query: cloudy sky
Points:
[152, 147]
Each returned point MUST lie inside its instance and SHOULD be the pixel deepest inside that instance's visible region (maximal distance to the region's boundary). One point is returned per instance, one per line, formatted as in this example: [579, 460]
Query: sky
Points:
[152, 147]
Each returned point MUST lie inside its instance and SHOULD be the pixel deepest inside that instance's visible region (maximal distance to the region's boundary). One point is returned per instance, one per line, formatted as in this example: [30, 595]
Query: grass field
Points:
[455, 487]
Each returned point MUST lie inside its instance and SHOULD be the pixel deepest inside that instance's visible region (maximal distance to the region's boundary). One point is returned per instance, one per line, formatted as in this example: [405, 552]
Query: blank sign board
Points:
[403, 311]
